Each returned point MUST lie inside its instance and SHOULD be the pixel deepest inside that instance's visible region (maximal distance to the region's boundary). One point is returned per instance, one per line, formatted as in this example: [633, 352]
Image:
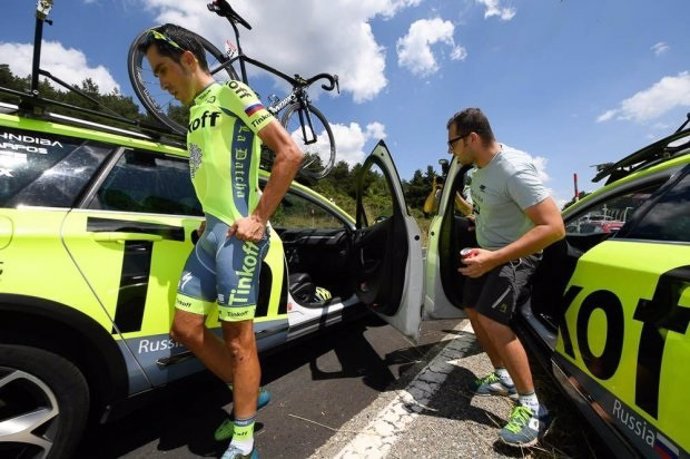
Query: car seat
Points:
[306, 292]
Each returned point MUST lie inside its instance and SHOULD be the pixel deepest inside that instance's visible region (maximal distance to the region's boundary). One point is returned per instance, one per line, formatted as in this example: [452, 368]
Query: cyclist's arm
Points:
[288, 159]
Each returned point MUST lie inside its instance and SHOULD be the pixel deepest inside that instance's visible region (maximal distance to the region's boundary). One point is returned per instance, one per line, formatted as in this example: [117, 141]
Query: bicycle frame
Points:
[299, 84]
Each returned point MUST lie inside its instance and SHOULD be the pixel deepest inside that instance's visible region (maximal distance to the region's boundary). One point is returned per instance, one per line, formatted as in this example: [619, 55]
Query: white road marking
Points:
[379, 436]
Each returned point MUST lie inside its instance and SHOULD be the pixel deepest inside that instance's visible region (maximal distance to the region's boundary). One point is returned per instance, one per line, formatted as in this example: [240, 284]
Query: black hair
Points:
[472, 120]
[183, 38]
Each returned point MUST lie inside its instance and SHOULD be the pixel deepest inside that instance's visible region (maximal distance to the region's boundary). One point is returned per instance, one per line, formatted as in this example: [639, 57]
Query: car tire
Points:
[44, 403]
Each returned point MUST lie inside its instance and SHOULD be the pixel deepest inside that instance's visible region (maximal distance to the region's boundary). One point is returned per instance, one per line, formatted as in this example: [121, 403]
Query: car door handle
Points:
[122, 237]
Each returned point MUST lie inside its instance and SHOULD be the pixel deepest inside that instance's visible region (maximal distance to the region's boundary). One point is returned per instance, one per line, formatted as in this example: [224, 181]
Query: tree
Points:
[580, 195]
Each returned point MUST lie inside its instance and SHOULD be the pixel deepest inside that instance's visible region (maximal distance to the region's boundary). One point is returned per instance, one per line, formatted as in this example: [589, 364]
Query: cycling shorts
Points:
[224, 271]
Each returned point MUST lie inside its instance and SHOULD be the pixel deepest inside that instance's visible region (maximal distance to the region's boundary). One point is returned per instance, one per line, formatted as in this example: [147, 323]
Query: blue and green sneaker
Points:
[491, 384]
[524, 428]
[227, 427]
[234, 453]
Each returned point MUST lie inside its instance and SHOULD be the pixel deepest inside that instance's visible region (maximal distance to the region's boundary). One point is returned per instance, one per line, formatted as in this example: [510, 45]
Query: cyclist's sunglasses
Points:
[156, 35]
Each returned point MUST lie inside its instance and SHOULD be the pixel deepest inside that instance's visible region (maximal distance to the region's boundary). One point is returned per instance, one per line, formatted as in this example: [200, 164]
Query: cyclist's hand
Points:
[247, 229]
[196, 234]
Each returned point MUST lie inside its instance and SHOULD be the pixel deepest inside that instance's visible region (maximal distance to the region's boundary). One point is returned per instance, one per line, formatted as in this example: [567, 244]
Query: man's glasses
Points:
[156, 35]
[455, 139]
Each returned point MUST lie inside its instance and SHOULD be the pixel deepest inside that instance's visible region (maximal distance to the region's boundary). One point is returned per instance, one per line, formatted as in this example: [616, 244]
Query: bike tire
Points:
[320, 141]
[159, 103]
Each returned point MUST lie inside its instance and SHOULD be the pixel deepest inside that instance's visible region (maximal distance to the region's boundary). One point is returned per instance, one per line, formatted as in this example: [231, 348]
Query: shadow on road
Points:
[184, 415]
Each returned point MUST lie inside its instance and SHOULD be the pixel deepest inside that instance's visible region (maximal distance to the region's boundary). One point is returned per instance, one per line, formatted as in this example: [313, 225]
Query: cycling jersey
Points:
[224, 149]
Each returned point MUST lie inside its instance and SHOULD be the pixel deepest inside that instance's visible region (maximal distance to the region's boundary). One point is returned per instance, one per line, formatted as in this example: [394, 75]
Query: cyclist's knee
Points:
[187, 329]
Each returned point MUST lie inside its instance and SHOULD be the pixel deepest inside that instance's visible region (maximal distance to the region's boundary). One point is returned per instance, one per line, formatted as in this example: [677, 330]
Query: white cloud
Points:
[660, 48]
[376, 130]
[666, 94]
[390, 7]
[301, 36]
[414, 49]
[68, 64]
[494, 8]
[351, 139]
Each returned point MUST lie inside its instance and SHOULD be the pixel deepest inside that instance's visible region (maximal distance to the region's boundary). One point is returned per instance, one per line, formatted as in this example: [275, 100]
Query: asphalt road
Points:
[318, 385]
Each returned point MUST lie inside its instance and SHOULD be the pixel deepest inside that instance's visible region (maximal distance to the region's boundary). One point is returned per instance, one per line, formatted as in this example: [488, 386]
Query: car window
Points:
[377, 196]
[40, 169]
[669, 217]
[149, 183]
[296, 212]
[609, 215]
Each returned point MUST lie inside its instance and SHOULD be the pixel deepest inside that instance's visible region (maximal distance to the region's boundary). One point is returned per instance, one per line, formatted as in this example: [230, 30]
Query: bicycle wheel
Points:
[164, 107]
[313, 135]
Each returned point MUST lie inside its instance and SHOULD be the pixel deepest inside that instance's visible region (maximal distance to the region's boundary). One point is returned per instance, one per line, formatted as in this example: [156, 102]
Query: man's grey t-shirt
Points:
[501, 191]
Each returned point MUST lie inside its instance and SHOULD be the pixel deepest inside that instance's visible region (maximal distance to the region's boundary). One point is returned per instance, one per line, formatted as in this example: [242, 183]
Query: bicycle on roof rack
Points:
[307, 125]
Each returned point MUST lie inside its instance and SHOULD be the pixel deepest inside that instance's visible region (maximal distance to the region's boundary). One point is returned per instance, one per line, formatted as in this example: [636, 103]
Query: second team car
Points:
[609, 310]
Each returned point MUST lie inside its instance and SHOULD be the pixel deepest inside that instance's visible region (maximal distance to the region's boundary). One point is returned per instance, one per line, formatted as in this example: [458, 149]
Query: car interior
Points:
[317, 245]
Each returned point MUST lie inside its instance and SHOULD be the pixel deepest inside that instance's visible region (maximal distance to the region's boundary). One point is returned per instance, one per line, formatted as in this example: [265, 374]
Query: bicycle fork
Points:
[308, 135]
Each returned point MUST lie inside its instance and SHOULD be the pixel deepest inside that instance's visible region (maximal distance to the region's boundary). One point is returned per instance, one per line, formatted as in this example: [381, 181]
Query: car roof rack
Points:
[658, 152]
[33, 105]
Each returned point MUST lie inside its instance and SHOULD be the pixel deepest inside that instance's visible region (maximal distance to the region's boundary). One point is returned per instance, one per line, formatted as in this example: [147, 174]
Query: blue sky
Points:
[571, 82]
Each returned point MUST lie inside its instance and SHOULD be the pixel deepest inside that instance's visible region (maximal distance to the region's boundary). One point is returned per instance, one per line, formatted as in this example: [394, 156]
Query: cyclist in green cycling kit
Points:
[227, 126]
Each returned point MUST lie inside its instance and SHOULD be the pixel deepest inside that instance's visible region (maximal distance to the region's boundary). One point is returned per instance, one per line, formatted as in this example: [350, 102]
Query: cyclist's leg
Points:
[196, 295]
[239, 266]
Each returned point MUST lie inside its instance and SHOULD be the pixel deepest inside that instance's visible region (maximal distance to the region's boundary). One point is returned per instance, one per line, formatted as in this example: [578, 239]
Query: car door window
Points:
[669, 218]
[296, 212]
[609, 215]
[377, 197]
[42, 169]
[148, 183]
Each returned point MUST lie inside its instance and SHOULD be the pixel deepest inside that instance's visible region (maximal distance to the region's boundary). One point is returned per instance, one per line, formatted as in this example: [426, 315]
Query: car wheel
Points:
[44, 403]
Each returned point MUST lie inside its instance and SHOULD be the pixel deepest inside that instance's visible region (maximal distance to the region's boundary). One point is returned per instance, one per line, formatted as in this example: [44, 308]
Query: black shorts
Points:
[496, 293]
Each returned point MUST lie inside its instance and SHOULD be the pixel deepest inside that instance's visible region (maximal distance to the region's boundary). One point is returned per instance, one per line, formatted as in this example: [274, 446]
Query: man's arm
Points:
[548, 229]
[288, 159]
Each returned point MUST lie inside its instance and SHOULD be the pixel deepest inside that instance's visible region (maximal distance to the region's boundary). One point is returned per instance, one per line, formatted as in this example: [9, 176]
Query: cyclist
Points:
[515, 220]
[227, 125]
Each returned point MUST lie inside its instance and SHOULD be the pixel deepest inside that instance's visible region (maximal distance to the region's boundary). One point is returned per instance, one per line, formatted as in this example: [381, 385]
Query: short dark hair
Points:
[179, 36]
[472, 120]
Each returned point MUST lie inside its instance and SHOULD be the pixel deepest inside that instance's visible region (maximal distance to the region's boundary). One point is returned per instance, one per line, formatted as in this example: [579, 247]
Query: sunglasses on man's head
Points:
[156, 35]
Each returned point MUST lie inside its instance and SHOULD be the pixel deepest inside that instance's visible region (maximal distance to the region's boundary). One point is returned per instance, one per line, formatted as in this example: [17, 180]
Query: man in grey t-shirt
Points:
[515, 220]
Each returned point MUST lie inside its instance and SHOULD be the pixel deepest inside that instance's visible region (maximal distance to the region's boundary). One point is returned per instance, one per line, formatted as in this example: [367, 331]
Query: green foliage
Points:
[580, 195]
[115, 103]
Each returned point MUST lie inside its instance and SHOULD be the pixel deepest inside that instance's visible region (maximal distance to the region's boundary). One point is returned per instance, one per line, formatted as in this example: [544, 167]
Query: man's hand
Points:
[248, 229]
[478, 263]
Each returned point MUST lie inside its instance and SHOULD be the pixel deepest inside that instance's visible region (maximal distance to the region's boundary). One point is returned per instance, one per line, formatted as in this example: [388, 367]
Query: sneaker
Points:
[491, 384]
[524, 428]
[235, 453]
[227, 427]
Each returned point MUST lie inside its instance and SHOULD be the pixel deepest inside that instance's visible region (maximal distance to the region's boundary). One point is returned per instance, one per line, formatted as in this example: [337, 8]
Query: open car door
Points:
[387, 260]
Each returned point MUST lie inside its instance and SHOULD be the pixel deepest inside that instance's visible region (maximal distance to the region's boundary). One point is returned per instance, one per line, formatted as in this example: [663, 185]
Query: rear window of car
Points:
[147, 182]
[669, 217]
[40, 169]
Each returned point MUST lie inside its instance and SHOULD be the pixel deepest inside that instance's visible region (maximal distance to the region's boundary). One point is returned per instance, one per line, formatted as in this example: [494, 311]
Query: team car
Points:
[96, 223]
[609, 307]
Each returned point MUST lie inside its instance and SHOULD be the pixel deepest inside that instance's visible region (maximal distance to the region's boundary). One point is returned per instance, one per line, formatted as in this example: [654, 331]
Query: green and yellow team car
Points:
[610, 304]
[96, 223]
